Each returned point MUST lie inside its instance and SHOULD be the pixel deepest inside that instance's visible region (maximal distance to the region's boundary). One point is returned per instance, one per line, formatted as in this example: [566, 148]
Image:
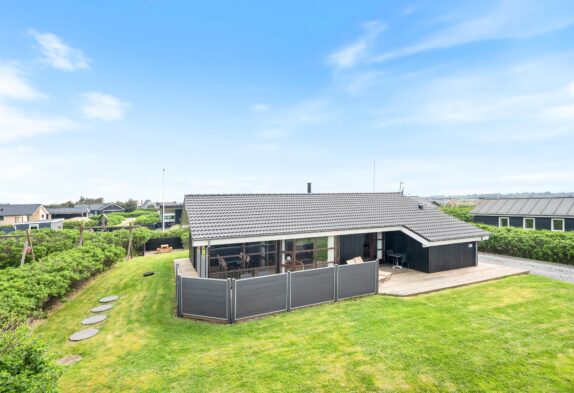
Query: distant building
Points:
[101, 208]
[45, 224]
[68, 212]
[553, 214]
[15, 214]
[147, 204]
[172, 214]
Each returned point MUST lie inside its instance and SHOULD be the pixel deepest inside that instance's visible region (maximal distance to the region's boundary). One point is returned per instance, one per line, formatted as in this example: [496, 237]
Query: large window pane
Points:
[557, 224]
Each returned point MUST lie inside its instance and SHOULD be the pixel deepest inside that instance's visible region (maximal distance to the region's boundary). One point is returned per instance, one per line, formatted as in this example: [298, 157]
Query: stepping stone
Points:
[84, 334]
[108, 299]
[69, 359]
[103, 307]
[94, 319]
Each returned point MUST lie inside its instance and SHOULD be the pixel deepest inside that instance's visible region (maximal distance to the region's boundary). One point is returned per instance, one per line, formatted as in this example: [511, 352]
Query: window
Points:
[315, 251]
[503, 221]
[529, 223]
[262, 256]
[558, 224]
[1, 218]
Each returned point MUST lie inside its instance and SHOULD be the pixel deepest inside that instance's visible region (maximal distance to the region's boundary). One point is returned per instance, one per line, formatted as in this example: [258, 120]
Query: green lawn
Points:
[516, 334]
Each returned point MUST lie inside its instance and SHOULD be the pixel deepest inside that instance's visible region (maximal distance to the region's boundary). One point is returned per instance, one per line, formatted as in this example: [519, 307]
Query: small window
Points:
[558, 224]
[529, 223]
[503, 221]
[1, 218]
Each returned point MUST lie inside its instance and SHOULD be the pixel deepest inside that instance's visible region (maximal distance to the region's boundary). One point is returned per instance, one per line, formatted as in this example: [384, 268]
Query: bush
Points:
[460, 212]
[539, 244]
[147, 219]
[25, 290]
[141, 212]
[24, 366]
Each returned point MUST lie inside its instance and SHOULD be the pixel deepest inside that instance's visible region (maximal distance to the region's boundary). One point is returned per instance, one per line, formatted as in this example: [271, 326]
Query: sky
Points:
[449, 97]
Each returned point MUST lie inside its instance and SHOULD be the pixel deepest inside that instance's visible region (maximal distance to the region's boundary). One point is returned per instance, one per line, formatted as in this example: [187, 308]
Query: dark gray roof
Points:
[249, 215]
[67, 210]
[546, 207]
[18, 210]
[100, 206]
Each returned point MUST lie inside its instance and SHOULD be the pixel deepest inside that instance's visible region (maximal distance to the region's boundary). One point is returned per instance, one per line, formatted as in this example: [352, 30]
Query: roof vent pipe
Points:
[308, 188]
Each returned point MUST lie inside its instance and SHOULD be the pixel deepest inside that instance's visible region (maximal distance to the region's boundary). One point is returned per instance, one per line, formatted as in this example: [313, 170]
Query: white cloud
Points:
[15, 124]
[58, 54]
[103, 107]
[259, 108]
[13, 86]
[570, 89]
[508, 20]
[353, 53]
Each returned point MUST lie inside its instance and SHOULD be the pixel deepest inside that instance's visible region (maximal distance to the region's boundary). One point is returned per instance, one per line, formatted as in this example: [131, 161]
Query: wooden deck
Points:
[407, 282]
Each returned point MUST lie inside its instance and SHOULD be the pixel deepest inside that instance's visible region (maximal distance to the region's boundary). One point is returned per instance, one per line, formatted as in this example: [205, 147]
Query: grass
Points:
[515, 334]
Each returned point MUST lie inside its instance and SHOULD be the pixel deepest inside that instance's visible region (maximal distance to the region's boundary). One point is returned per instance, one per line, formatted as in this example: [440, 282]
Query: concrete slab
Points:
[103, 307]
[84, 334]
[109, 299]
[185, 267]
[94, 319]
[411, 282]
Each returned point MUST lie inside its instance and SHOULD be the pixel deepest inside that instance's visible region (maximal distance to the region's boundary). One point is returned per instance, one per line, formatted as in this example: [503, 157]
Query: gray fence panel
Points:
[260, 295]
[312, 287]
[357, 280]
[204, 297]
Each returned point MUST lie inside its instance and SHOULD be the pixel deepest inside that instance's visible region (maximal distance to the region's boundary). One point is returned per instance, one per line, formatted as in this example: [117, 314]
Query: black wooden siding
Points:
[432, 259]
[518, 222]
[351, 246]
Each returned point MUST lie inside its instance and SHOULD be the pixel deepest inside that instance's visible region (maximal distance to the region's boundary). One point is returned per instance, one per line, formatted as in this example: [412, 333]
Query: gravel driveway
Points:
[553, 270]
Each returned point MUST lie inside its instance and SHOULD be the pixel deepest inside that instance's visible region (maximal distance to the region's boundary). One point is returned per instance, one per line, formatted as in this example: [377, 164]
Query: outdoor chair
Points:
[358, 260]
[222, 263]
[389, 257]
[246, 262]
[351, 261]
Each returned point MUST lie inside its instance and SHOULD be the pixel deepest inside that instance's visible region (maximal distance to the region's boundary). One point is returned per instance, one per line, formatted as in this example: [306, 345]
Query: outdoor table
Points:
[398, 256]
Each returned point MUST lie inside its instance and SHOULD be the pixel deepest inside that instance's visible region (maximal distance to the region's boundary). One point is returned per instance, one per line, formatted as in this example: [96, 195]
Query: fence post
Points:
[178, 291]
[376, 277]
[288, 294]
[231, 295]
[336, 282]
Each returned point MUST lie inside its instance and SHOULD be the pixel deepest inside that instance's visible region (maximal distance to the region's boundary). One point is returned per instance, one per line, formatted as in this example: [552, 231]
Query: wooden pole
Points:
[31, 244]
[129, 255]
[23, 259]
[81, 234]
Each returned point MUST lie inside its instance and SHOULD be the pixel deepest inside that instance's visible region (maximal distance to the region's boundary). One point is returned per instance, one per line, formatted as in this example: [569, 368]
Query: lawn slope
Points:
[516, 334]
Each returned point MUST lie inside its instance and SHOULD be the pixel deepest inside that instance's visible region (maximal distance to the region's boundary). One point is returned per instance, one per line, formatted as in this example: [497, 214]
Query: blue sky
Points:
[449, 97]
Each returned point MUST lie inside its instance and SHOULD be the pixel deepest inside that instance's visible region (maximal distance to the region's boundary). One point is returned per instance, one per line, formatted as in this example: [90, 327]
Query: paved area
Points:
[83, 334]
[109, 299]
[94, 319]
[556, 271]
[407, 282]
[103, 307]
[185, 267]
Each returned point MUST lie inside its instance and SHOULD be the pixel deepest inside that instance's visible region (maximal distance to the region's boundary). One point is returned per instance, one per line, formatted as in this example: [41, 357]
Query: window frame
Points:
[533, 223]
[558, 219]
[507, 221]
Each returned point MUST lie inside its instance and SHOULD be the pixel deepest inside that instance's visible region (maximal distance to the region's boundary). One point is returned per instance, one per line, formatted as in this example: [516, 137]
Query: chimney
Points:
[308, 188]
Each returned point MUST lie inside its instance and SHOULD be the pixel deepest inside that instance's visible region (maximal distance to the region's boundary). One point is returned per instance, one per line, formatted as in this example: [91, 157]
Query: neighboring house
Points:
[147, 204]
[280, 232]
[553, 214]
[68, 212]
[172, 212]
[15, 214]
[426, 202]
[45, 224]
[101, 208]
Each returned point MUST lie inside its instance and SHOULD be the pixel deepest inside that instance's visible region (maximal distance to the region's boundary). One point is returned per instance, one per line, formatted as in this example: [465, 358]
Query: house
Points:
[260, 234]
[553, 214]
[101, 208]
[44, 224]
[147, 204]
[432, 204]
[14, 214]
[68, 212]
[172, 212]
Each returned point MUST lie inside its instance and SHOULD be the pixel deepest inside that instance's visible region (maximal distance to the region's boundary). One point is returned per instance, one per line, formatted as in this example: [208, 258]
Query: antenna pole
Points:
[374, 174]
[163, 202]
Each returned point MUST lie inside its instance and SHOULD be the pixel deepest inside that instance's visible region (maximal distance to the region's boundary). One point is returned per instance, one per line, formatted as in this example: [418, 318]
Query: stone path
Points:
[109, 299]
[69, 359]
[84, 334]
[94, 319]
[556, 271]
[103, 307]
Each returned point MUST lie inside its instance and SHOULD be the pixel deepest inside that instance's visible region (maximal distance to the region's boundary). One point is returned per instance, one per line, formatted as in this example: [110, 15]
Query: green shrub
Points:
[25, 290]
[539, 244]
[141, 212]
[147, 219]
[24, 366]
[460, 212]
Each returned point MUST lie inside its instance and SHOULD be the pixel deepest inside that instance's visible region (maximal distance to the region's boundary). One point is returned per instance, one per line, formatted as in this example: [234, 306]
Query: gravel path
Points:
[556, 271]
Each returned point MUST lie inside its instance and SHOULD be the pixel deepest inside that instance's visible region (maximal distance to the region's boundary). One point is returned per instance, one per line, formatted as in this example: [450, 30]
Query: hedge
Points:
[539, 244]
[25, 290]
